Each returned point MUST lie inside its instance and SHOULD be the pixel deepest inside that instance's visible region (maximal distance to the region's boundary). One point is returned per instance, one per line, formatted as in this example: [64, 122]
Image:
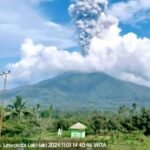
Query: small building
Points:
[78, 130]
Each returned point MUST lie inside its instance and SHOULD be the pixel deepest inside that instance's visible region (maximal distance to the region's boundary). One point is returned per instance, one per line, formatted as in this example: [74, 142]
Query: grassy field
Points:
[129, 142]
[125, 129]
[115, 141]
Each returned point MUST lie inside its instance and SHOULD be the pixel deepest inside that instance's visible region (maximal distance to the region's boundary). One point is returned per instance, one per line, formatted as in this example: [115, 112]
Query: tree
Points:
[145, 120]
[62, 124]
[98, 123]
[17, 109]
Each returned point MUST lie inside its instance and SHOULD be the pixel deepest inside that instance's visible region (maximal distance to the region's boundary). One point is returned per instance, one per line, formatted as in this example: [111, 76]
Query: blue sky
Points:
[48, 22]
[57, 11]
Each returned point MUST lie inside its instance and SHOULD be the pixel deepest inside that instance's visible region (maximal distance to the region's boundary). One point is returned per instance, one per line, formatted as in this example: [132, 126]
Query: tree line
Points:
[20, 119]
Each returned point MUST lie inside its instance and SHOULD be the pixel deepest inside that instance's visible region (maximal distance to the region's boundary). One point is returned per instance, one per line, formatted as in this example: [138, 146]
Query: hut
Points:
[78, 130]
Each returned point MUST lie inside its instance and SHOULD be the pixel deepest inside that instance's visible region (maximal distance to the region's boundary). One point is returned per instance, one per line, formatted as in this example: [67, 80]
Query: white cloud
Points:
[133, 78]
[38, 61]
[126, 57]
[19, 20]
[132, 11]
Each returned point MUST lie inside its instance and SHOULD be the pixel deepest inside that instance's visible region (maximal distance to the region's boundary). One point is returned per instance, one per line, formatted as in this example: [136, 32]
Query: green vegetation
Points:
[81, 91]
[128, 128]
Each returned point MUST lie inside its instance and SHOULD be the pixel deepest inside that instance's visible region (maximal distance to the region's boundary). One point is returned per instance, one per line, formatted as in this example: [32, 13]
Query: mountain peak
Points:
[78, 91]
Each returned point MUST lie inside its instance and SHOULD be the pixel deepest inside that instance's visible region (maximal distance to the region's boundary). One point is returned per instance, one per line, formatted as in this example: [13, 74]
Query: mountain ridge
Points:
[84, 91]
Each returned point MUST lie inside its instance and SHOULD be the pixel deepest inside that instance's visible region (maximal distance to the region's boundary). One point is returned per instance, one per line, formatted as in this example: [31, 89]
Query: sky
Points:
[40, 39]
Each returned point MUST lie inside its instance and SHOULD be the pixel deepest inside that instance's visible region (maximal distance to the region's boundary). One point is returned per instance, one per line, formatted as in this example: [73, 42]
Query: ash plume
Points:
[85, 15]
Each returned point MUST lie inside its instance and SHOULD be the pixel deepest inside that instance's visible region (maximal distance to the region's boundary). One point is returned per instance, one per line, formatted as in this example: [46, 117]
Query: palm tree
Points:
[17, 109]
